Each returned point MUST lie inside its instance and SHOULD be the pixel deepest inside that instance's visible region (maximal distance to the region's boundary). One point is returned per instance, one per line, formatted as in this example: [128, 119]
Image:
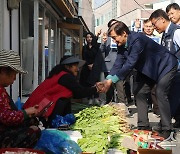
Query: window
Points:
[102, 20]
[97, 22]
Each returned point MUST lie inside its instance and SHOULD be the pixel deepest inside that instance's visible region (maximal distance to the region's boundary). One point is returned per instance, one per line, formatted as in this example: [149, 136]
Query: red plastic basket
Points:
[3, 150]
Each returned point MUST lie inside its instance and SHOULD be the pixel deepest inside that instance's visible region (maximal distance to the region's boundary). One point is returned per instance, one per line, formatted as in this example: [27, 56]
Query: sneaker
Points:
[168, 135]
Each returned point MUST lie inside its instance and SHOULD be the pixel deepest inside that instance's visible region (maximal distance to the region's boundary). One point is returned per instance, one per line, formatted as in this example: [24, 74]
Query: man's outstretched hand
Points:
[103, 86]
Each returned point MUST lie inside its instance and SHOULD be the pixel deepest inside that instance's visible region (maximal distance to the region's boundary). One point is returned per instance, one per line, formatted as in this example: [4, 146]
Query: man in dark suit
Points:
[171, 40]
[173, 12]
[154, 65]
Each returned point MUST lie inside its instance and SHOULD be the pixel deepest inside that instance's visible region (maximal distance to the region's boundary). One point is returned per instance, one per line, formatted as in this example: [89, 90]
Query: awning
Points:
[66, 7]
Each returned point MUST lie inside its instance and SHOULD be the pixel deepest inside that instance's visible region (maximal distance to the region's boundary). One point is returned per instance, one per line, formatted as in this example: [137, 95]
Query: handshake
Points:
[102, 87]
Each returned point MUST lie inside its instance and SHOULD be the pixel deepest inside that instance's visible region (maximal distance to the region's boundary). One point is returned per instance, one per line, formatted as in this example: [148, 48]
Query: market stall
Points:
[99, 130]
[106, 130]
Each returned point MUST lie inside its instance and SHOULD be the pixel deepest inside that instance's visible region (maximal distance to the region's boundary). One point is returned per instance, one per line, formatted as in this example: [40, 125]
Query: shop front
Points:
[41, 31]
[40, 49]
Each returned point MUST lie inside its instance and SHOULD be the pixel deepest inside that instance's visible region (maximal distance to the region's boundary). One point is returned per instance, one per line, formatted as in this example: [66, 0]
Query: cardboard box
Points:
[153, 151]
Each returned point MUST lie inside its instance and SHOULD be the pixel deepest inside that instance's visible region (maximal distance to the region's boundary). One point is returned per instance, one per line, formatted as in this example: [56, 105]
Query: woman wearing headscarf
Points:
[17, 128]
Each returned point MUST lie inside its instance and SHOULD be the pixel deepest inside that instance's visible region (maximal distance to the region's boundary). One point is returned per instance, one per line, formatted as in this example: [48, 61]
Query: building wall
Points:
[127, 10]
[86, 11]
[102, 16]
[163, 4]
[130, 16]
[136, 14]
[129, 5]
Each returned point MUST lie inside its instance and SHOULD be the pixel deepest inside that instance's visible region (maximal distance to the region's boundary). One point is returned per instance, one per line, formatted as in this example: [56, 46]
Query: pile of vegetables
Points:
[102, 128]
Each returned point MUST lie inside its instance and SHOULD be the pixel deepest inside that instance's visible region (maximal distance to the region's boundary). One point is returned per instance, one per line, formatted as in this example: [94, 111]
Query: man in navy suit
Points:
[173, 12]
[171, 40]
[154, 64]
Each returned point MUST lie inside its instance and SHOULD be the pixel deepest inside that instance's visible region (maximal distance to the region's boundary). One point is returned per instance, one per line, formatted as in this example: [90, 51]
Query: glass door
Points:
[27, 45]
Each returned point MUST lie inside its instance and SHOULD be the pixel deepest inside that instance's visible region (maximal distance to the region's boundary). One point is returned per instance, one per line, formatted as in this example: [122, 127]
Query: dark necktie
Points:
[163, 39]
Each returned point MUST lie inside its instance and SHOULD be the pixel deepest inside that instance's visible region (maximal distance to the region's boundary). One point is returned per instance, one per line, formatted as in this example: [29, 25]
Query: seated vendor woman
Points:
[60, 86]
[17, 128]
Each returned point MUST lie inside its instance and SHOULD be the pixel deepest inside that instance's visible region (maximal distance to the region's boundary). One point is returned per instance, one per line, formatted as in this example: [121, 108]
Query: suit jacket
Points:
[145, 55]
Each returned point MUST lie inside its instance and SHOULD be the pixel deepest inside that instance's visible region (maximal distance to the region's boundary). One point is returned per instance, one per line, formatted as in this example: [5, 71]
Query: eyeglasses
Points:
[154, 24]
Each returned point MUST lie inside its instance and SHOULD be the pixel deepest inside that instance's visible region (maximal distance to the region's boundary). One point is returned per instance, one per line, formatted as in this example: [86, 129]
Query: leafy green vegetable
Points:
[100, 128]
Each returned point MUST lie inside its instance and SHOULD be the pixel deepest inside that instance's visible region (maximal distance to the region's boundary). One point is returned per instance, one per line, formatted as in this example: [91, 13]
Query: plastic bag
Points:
[68, 119]
[57, 142]
[19, 104]
[70, 147]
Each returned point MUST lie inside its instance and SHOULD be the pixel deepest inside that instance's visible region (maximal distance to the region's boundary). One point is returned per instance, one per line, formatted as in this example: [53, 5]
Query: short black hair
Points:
[146, 21]
[110, 22]
[159, 13]
[174, 6]
[119, 27]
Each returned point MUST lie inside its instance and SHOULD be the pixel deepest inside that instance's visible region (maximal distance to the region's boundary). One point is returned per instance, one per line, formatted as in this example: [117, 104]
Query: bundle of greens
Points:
[102, 128]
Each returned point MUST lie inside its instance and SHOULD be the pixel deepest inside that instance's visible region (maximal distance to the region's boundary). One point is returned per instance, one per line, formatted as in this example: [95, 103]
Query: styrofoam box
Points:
[74, 135]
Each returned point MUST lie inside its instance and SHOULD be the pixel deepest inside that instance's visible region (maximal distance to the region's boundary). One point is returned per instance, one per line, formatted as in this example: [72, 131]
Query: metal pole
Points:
[36, 43]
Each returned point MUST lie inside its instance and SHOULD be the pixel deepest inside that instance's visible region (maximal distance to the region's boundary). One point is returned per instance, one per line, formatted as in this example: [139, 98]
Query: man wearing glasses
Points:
[167, 24]
[173, 12]
[171, 31]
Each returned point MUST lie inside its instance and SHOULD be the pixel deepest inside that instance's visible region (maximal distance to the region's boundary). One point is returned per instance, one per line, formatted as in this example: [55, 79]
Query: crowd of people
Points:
[154, 65]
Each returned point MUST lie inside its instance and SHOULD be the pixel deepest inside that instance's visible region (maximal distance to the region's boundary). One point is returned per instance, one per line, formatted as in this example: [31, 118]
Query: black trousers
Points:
[174, 97]
[143, 86]
[62, 107]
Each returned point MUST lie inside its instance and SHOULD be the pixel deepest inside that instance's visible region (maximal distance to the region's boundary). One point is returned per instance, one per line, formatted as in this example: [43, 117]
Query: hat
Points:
[71, 60]
[11, 59]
